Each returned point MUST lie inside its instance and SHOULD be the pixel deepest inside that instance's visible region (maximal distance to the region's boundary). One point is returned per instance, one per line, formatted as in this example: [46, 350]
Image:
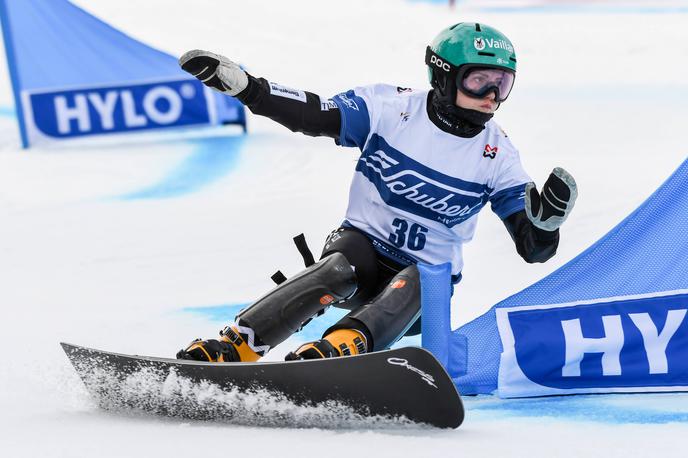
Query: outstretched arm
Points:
[297, 110]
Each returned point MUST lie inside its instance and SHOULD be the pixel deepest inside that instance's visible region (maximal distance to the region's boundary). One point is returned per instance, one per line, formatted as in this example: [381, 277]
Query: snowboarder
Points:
[430, 161]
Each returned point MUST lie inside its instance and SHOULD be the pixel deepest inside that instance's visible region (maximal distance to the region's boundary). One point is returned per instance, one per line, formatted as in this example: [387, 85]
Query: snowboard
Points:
[405, 384]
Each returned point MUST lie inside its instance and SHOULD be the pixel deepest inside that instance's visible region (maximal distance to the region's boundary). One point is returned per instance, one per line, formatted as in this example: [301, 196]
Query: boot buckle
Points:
[231, 335]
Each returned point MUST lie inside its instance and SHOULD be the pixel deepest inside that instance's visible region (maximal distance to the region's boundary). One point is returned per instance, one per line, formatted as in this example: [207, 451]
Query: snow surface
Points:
[134, 244]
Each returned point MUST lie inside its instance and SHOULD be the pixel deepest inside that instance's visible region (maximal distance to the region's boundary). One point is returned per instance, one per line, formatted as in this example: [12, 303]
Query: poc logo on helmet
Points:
[479, 43]
[436, 61]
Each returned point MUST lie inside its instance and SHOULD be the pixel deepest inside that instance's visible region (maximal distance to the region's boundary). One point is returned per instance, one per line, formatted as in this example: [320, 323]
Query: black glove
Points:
[209, 350]
[215, 71]
[549, 209]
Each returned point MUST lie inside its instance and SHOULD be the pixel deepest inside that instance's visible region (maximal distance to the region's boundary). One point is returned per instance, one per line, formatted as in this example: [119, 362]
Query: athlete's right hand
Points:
[549, 209]
[215, 71]
[209, 350]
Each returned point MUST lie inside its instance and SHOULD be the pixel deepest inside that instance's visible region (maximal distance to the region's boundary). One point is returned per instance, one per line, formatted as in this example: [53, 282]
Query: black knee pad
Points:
[283, 311]
[390, 314]
[359, 251]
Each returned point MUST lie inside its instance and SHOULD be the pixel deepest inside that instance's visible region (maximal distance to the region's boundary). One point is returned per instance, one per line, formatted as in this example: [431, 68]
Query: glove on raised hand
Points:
[215, 71]
[549, 209]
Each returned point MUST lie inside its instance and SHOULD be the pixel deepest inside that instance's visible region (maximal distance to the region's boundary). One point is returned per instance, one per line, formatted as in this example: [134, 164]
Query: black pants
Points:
[386, 305]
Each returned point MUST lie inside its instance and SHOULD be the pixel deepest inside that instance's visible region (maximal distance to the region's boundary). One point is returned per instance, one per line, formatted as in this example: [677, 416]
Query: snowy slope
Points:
[109, 244]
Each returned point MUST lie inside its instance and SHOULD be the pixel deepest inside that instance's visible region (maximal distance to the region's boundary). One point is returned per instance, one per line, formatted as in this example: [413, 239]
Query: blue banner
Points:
[98, 110]
[624, 344]
[95, 79]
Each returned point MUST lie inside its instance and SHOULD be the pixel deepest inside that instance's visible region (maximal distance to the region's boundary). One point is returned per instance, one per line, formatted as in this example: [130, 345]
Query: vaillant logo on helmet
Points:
[479, 43]
[436, 61]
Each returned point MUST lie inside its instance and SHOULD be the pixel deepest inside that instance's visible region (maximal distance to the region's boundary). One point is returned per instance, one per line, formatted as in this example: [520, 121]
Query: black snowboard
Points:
[406, 384]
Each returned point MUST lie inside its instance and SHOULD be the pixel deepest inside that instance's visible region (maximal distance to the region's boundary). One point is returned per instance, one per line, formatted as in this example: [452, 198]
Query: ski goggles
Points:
[478, 82]
[475, 80]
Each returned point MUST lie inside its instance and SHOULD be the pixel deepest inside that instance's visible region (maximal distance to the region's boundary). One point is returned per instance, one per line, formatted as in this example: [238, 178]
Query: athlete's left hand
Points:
[549, 209]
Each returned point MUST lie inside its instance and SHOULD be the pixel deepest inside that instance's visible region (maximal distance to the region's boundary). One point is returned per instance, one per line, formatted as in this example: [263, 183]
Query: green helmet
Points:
[467, 45]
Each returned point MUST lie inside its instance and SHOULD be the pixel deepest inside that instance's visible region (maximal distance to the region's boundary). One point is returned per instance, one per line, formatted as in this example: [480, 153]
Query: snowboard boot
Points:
[342, 342]
[230, 348]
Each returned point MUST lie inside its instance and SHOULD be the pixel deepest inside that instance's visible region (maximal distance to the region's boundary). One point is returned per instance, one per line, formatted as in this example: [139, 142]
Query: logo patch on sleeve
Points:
[490, 151]
[350, 103]
[289, 93]
[327, 105]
